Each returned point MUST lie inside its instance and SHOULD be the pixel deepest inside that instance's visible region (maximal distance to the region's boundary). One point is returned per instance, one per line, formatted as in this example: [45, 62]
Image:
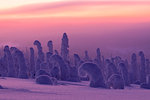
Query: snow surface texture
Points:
[22, 89]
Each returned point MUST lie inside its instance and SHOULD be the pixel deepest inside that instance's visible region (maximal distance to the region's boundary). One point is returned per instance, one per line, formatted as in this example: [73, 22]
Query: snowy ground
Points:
[19, 89]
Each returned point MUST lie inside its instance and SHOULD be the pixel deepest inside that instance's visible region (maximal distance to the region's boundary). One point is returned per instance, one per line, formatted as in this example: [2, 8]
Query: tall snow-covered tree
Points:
[142, 67]
[65, 47]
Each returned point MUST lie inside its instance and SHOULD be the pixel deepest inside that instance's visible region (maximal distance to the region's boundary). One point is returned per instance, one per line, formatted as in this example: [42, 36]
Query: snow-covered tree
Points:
[64, 70]
[50, 46]
[32, 63]
[133, 69]
[65, 47]
[124, 73]
[142, 67]
[10, 63]
[95, 74]
[22, 65]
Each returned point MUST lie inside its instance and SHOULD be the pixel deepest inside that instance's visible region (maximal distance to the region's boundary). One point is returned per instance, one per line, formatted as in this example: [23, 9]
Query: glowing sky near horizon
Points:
[74, 8]
[22, 21]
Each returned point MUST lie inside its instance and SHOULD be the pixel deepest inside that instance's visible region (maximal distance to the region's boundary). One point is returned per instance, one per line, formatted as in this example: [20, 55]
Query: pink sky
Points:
[113, 25]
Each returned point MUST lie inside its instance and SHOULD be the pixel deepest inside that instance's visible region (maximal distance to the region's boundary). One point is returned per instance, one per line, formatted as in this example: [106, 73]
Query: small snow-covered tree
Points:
[142, 67]
[63, 67]
[124, 73]
[10, 66]
[133, 69]
[115, 81]
[22, 65]
[147, 64]
[110, 69]
[44, 79]
[40, 50]
[56, 52]
[77, 60]
[32, 63]
[50, 46]
[95, 74]
[98, 57]
[86, 57]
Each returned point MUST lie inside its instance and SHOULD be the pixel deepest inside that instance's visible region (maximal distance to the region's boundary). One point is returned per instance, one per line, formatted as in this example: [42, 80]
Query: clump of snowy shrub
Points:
[44, 79]
[116, 82]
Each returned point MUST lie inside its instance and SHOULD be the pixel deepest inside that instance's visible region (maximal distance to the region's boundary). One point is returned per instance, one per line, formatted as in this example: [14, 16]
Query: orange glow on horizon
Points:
[79, 10]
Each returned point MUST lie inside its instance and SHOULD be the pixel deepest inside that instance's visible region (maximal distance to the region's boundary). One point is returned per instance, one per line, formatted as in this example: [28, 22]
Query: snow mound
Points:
[44, 79]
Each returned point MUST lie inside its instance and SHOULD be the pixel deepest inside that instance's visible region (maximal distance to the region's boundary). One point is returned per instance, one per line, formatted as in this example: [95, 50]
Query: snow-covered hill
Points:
[21, 89]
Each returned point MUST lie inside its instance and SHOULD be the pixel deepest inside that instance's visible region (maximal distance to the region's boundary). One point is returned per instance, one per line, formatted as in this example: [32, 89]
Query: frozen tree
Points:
[74, 77]
[44, 79]
[115, 81]
[110, 69]
[55, 72]
[37, 64]
[148, 79]
[32, 63]
[98, 61]
[54, 80]
[40, 58]
[124, 73]
[48, 55]
[16, 63]
[56, 52]
[40, 50]
[22, 65]
[127, 64]
[64, 47]
[50, 46]
[147, 84]
[3, 66]
[142, 67]
[117, 61]
[86, 58]
[49, 64]
[147, 67]
[98, 57]
[77, 60]
[10, 66]
[44, 66]
[63, 67]
[95, 74]
[41, 72]
[133, 69]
